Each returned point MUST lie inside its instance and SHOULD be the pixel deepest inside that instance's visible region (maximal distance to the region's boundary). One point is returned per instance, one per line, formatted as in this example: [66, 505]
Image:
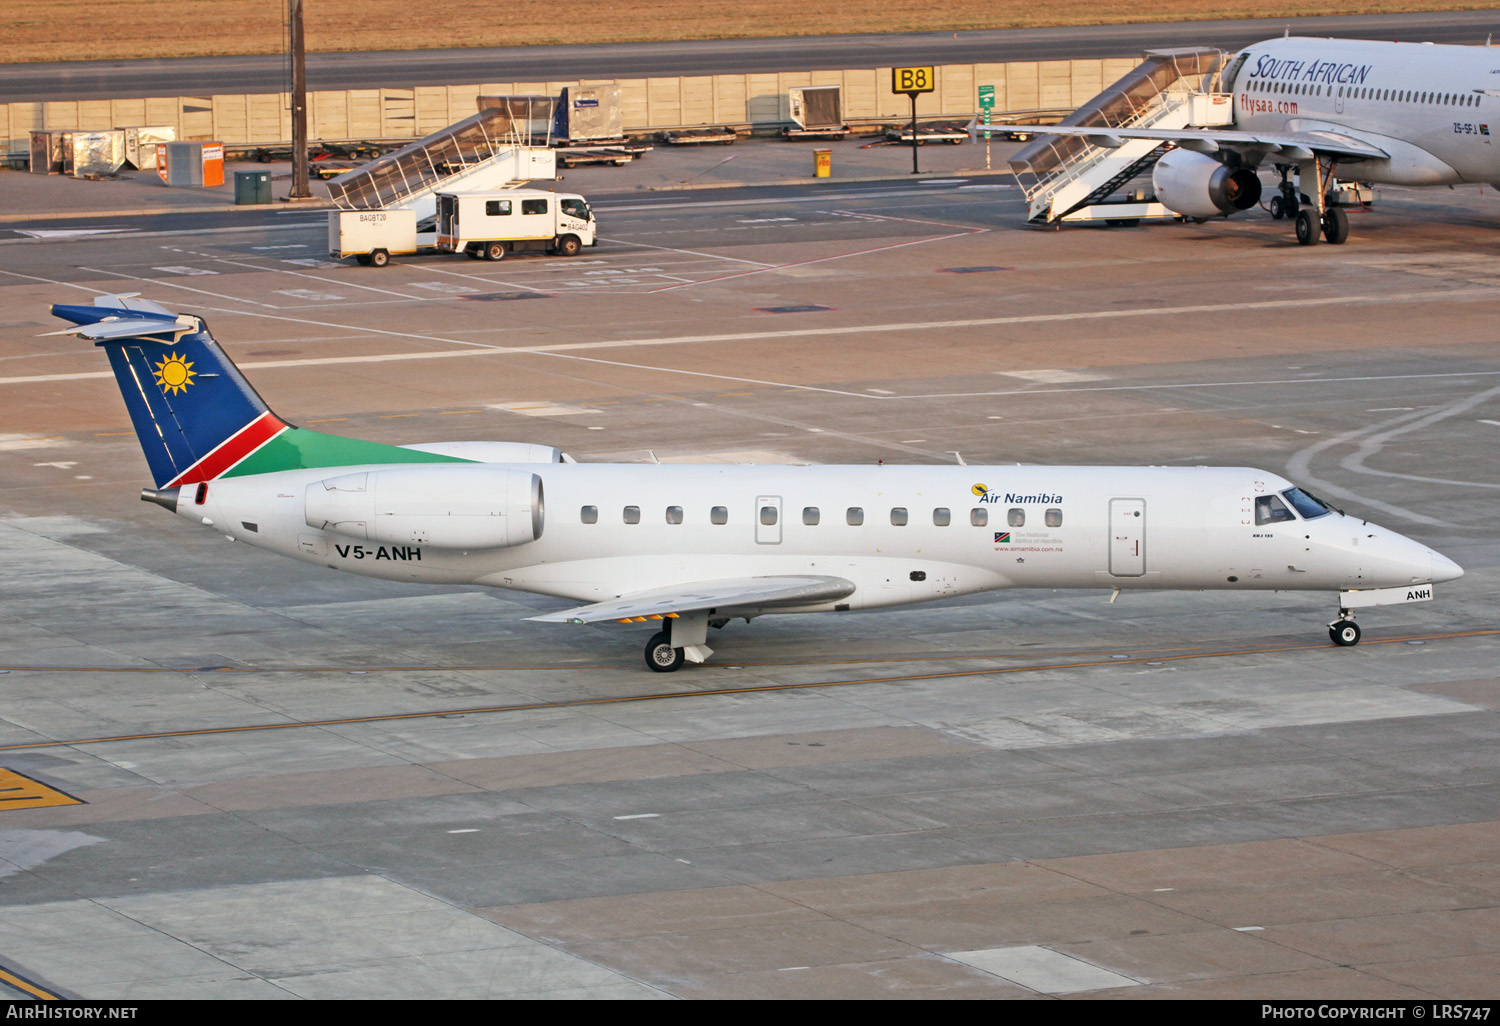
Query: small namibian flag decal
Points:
[1002, 537]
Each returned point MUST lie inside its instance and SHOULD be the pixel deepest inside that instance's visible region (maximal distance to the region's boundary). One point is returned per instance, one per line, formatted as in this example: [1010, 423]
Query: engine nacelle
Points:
[446, 506]
[1197, 185]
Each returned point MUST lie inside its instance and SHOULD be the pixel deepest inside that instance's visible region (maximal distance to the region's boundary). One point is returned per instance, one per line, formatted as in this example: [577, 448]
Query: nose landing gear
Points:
[1344, 631]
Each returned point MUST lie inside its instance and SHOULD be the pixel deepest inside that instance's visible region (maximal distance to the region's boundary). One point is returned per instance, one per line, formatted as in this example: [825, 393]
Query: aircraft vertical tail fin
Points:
[194, 413]
[196, 416]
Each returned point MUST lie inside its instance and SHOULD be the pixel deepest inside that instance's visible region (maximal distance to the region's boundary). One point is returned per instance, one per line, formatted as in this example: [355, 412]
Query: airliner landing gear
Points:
[1286, 203]
[661, 656]
[1335, 225]
[1313, 219]
[1307, 228]
[1344, 631]
[685, 638]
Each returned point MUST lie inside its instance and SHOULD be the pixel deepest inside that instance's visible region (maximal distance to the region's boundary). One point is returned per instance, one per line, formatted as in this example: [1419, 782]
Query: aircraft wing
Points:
[1293, 145]
[734, 593]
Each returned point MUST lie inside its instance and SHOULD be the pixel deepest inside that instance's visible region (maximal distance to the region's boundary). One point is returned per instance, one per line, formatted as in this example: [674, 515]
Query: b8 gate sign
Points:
[913, 80]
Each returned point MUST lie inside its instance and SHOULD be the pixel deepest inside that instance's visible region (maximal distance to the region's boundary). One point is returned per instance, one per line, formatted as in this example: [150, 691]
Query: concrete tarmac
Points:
[229, 775]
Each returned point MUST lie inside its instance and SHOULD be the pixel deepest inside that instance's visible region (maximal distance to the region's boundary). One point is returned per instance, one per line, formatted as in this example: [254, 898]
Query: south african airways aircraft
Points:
[1416, 114]
[688, 547]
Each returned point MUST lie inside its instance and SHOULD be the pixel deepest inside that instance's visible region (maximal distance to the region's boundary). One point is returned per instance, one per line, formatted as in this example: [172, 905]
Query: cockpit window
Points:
[1269, 509]
[1309, 507]
[1226, 82]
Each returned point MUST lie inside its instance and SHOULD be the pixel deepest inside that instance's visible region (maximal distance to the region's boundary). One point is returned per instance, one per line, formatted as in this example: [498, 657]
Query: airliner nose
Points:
[1444, 569]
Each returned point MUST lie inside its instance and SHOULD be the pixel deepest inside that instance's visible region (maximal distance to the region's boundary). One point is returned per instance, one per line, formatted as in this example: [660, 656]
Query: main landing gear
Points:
[685, 639]
[1344, 631]
[661, 656]
[1311, 219]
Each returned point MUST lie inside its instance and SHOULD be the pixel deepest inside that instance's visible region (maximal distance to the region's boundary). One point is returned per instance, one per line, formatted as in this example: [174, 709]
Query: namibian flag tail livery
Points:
[196, 416]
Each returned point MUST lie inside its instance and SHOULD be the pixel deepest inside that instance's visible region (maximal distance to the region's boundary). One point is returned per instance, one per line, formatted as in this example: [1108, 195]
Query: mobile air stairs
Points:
[490, 150]
[1071, 178]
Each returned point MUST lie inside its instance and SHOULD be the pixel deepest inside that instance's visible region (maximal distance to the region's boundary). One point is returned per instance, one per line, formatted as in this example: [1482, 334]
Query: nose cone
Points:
[1444, 569]
[1391, 560]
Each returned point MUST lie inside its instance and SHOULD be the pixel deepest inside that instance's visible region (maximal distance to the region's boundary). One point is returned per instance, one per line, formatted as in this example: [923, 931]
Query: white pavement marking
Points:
[492, 282]
[822, 260]
[567, 350]
[1042, 969]
[68, 233]
[309, 294]
[818, 197]
[1051, 376]
[445, 287]
[341, 283]
[175, 285]
[336, 938]
[54, 281]
[11, 443]
[1299, 468]
[172, 233]
[689, 252]
[1375, 442]
[532, 408]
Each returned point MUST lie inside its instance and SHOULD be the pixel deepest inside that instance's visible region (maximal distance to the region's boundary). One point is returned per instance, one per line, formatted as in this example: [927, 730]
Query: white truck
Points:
[491, 224]
[482, 224]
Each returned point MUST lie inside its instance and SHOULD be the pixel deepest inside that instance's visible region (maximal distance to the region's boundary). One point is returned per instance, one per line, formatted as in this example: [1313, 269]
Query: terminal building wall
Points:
[650, 104]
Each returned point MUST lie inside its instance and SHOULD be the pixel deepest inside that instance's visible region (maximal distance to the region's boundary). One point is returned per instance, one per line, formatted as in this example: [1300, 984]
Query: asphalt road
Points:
[70, 80]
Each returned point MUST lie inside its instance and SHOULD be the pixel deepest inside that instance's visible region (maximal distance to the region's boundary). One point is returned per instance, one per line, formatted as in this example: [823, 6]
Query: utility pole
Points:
[300, 187]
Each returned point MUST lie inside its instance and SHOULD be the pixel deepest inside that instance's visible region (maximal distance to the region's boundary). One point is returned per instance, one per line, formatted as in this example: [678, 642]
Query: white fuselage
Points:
[924, 532]
[1434, 108]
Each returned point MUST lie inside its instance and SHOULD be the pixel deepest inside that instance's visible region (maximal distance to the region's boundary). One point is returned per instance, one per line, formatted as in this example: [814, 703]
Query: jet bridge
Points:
[490, 150]
[1070, 178]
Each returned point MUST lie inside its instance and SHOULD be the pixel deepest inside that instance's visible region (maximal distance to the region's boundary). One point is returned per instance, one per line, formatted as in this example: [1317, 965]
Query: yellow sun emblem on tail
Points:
[174, 374]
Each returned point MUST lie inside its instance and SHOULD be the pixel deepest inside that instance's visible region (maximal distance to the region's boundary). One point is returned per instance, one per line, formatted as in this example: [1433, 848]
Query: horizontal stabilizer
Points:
[133, 301]
[133, 327]
[124, 316]
[733, 594]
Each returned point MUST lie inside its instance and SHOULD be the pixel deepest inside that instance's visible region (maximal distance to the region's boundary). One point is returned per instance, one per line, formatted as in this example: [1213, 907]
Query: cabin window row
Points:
[854, 516]
[1369, 93]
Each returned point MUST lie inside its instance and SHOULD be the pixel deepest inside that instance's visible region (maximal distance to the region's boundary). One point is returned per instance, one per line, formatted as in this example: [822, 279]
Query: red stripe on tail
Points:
[232, 450]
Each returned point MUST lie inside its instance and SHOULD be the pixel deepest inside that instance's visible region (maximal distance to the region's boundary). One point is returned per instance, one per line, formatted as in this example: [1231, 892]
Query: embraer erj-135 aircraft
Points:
[1388, 113]
[689, 547]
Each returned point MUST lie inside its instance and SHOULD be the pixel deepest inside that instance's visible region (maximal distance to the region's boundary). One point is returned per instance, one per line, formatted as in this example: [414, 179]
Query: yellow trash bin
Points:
[822, 163]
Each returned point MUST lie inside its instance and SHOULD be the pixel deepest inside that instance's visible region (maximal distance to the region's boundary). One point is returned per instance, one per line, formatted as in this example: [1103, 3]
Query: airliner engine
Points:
[447, 507]
[1200, 186]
